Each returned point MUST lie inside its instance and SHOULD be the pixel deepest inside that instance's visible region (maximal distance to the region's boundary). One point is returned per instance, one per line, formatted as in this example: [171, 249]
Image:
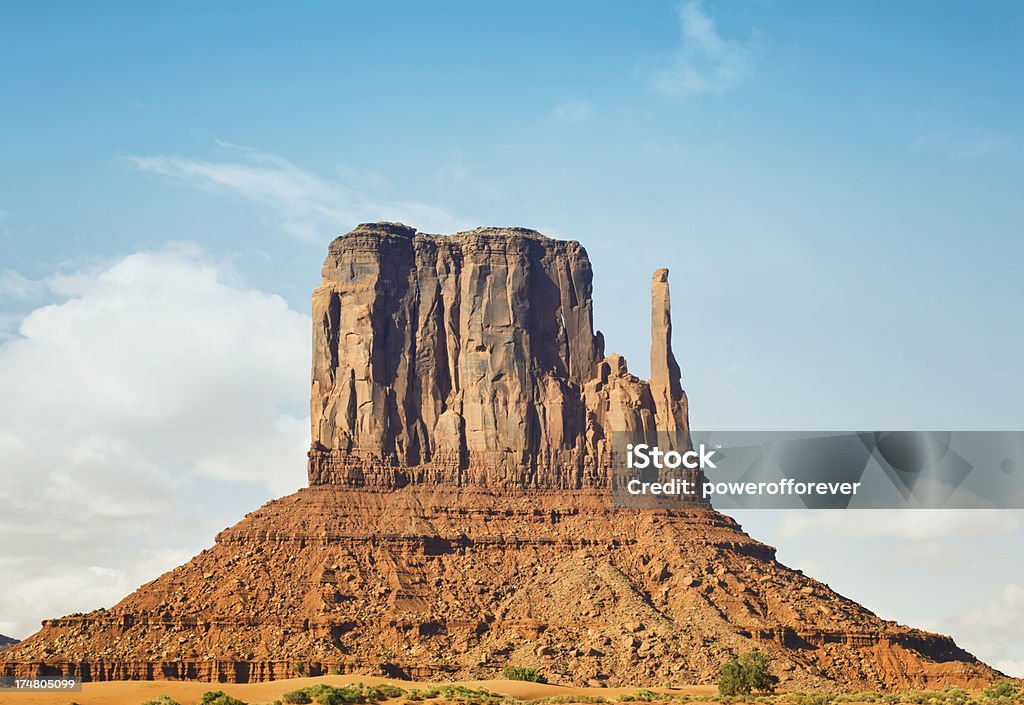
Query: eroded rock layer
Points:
[444, 582]
[459, 518]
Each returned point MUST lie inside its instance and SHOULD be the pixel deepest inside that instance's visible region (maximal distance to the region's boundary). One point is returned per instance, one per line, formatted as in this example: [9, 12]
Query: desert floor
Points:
[189, 692]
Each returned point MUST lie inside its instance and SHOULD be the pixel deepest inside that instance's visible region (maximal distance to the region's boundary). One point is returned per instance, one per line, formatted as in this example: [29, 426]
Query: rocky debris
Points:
[456, 583]
[457, 519]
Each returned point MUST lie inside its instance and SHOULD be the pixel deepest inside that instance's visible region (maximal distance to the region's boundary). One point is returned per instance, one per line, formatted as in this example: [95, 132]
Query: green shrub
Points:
[522, 673]
[461, 694]
[331, 695]
[297, 697]
[813, 698]
[862, 697]
[217, 697]
[1003, 689]
[957, 696]
[161, 700]
[746, 674]
[384, 691]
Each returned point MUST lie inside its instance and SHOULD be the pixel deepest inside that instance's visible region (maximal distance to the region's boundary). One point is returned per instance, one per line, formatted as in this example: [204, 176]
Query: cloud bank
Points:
[154, 401]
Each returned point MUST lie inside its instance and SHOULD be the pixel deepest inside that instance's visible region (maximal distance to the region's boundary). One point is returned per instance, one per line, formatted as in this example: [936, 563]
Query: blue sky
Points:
[835, 188]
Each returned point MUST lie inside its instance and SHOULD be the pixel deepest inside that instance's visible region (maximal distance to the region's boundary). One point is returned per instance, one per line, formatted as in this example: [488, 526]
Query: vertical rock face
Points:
[472, 359]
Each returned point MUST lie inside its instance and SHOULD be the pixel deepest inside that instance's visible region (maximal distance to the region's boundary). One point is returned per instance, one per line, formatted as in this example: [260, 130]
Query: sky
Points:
[835, 188]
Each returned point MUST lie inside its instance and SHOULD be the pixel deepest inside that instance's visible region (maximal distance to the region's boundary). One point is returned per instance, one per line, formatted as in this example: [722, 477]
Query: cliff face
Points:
[472, 359]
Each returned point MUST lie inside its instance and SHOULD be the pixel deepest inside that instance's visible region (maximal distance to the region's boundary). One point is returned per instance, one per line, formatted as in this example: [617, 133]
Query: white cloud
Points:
[943, 561]
[1011, 667]
[1004, 616]
[996, 629]
[574, 110]
[916, 524]
[158, 391]
[13, 285]
[309, 207]
[706, 62]
[50, 590]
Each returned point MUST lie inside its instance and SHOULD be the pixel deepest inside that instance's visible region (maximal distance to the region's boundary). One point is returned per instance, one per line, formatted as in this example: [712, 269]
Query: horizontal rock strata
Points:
[444, 582]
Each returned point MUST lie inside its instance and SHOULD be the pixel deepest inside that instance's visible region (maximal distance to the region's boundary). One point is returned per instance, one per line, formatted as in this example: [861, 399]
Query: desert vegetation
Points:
[1001, 693]
[746, 674]
[522, 673]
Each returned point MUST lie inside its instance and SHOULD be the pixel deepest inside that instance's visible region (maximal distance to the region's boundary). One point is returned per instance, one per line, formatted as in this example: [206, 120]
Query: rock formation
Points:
[458, 517]
[6, 641]
[465, 360]
[669, 397]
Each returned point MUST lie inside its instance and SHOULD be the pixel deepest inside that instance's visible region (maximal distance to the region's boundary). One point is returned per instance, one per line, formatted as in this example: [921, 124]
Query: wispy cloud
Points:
[918, 525]
[706, 62]
[457, 175]
[309, 206]
[999, 626]
[13, 285]
[573, 110]
[1004, 615]
[1011, 667]
[964, 147]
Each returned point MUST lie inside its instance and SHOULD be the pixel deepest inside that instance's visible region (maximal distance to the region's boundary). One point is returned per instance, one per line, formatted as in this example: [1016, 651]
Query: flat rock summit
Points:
[472, 360]
[458, 517]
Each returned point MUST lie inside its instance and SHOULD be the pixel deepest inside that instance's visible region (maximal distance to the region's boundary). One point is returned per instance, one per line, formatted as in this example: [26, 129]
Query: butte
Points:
[458, 515]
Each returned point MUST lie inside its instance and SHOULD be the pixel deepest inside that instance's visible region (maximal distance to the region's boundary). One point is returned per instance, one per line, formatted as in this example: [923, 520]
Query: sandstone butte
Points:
[458, 517]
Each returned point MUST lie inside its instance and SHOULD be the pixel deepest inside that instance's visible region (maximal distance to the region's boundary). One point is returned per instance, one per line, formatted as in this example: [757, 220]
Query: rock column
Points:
[666, 388]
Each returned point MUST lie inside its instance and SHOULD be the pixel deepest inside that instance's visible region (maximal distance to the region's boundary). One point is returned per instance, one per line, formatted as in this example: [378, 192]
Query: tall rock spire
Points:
[666, 388]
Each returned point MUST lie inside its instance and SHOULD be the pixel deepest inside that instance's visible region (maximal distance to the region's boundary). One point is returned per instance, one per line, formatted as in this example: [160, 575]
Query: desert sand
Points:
[190, 692]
